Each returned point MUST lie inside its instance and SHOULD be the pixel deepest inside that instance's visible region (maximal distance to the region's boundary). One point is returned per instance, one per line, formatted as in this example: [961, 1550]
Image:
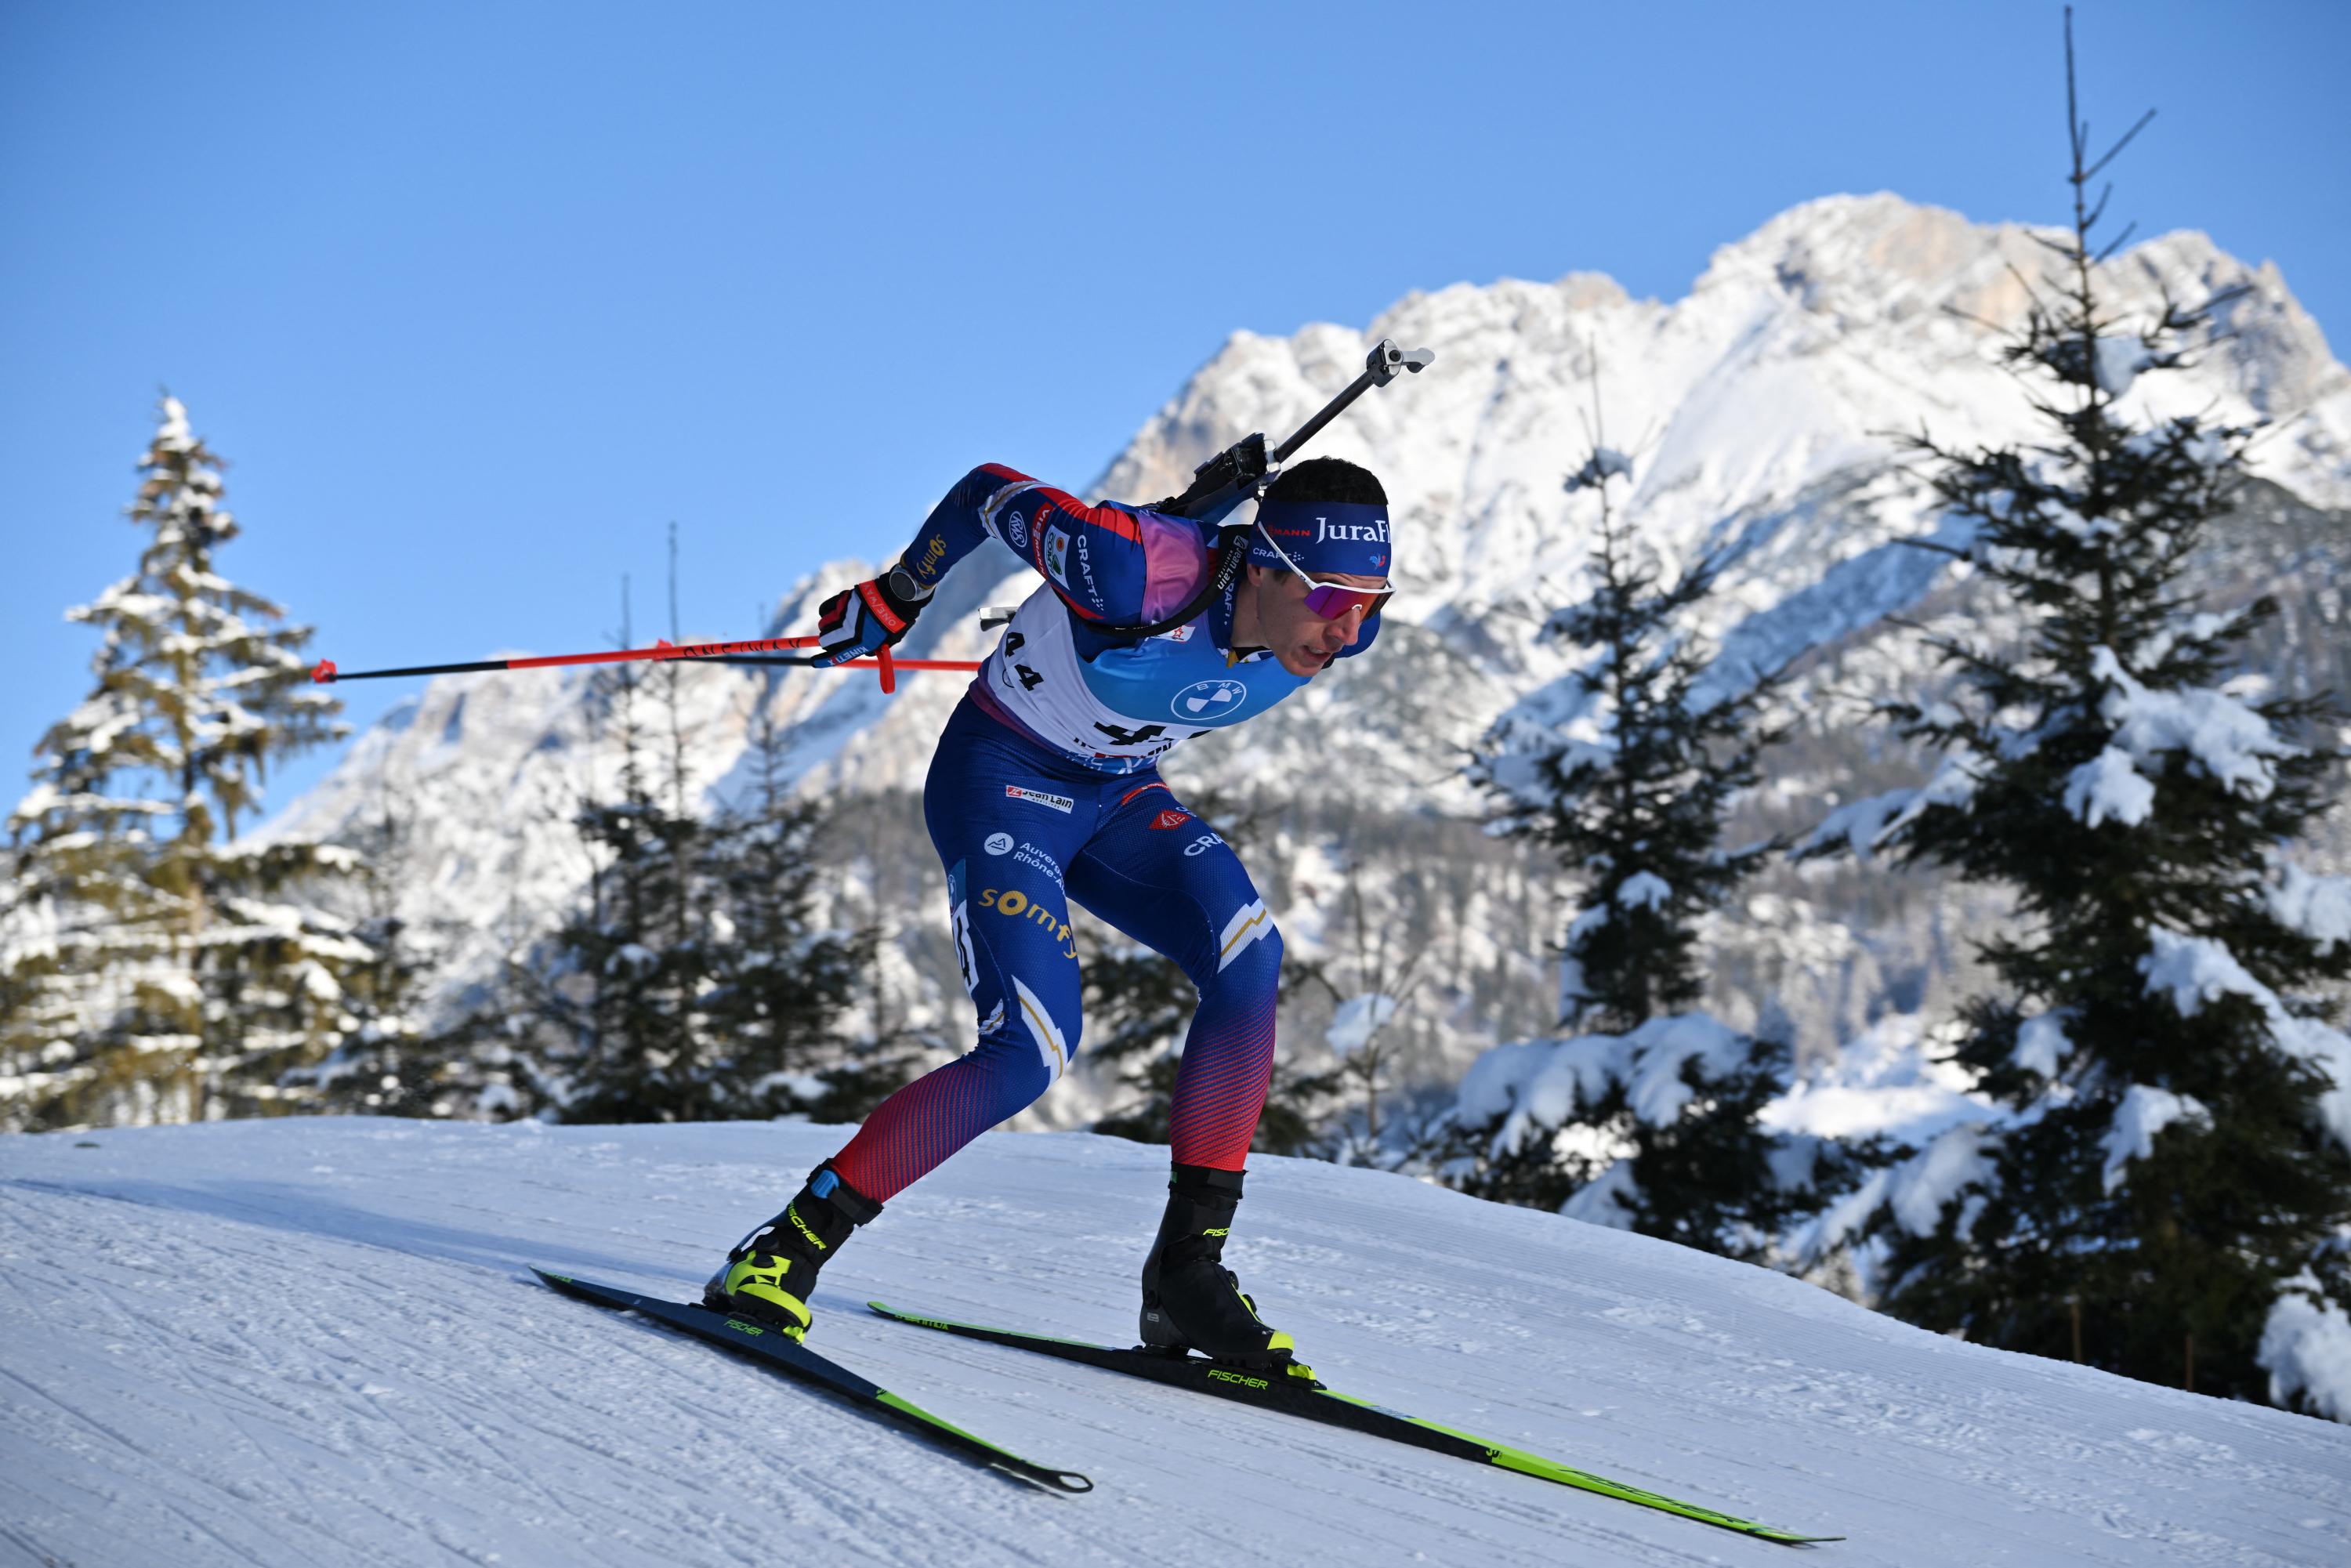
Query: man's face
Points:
[1302, 642]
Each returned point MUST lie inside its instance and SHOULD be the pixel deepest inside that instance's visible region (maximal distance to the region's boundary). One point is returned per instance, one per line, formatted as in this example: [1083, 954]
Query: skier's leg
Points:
[1164, 878]
[1010, 919]
[1003, 850]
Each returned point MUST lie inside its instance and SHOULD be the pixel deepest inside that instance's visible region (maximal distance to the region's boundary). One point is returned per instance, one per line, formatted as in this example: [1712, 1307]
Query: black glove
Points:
[865, 619]
[1221, 483]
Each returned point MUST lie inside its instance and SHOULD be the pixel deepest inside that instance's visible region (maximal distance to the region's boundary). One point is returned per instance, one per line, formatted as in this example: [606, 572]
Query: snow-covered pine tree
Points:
[631, 971]
[1370, 974]
[1645, 1118]
[395, 1059]
[504, 1056]
[173, 977]
[382, 1066]
[785, 982]
[697, 981]
[2169, 1188]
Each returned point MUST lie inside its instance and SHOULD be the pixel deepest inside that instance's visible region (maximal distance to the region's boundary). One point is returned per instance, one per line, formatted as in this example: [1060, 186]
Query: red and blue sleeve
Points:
[1107, 563]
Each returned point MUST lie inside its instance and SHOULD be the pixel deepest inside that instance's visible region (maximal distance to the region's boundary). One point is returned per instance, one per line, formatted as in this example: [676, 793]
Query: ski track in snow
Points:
[315, 1342]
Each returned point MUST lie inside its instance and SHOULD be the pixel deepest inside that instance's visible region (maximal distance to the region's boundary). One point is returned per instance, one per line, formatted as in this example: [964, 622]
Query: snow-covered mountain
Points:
[314, 1342]
[1761, 411]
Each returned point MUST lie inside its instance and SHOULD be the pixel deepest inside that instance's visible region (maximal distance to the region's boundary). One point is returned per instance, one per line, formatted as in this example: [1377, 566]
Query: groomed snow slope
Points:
[314, 1343]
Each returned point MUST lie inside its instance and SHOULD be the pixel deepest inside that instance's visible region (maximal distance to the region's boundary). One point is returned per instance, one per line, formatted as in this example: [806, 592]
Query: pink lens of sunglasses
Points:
[1329, 601]
[1331, 604]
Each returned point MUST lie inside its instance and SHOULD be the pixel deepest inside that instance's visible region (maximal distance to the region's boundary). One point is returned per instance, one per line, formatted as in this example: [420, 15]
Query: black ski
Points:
[771, 1348]
[1297, 1396]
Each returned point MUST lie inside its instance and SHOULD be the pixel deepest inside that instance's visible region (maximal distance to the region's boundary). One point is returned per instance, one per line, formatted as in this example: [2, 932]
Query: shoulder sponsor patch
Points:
[1167, 821]
[1039, 796]
[1057, 554]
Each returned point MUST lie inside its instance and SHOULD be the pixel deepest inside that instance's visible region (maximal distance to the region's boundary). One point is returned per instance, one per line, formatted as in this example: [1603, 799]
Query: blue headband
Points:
[1323, 536]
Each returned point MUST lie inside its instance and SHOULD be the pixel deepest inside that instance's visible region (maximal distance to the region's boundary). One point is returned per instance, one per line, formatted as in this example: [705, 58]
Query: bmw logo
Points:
[997, 843]
[1205, 700]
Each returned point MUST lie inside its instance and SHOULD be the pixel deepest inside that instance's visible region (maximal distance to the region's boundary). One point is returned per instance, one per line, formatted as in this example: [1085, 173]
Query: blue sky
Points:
[478, 299]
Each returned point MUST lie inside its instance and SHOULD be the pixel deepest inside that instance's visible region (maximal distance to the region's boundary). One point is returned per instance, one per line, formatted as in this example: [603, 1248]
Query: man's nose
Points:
[1350, 626]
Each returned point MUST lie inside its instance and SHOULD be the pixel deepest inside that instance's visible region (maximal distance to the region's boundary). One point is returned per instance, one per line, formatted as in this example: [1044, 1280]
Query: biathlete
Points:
[1046, 788]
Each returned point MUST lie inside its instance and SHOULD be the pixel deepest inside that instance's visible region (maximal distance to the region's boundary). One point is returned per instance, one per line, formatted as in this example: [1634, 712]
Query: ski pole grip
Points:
[325, 674]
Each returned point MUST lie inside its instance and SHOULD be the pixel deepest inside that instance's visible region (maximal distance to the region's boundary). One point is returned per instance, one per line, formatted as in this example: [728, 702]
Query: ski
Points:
[1297, 1396]
[771, 1348]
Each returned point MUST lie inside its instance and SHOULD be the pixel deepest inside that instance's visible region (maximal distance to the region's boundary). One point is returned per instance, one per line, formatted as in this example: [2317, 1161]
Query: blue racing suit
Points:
[1045, 789]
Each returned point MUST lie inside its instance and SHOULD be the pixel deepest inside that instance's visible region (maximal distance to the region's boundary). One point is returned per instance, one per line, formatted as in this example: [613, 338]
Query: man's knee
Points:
[1024, 1029]
[1249, 952]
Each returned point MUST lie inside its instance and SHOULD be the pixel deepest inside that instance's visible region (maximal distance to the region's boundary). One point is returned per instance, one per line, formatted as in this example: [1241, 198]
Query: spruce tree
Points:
[176, 977]
[784, 981]
[1645, 1118]
[506, 1053]
[482, 1062]
[382, 1065]
[2168, 1180]
[631, 969]
[697, 981]
[1370, 976]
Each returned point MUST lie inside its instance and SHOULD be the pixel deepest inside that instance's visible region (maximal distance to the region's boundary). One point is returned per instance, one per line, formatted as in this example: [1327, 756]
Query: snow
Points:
[1605, 464]
[2108, 787]
[2231, 742]
[1355, 1020]
[318, 981]
[1919, 1191]
[171, 432]
[1915, 1190]
[313, 1343]
[2042, 1043]
[1864, 826]
[632, 958]
[1606, 1200]
[1644, 890]
[1860, 825]
[2145, 1111]
[2306, 1345]
[1532, 1088]
[2120, 360]
[1885, 1080]
[2318, 907]
[2197, 969]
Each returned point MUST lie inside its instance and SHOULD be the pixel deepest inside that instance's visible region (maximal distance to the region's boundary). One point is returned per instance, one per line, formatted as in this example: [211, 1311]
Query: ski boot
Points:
[771, 1272]
[1190, 1300]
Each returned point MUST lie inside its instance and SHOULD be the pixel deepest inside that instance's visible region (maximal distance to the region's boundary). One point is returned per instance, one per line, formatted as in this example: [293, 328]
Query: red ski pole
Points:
[717, 653]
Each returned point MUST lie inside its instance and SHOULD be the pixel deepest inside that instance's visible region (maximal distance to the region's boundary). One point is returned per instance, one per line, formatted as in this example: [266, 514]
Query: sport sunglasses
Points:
[1329, 600]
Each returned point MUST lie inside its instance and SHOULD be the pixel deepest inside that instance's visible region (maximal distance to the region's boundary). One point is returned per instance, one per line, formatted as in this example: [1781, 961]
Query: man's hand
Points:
[866, 619]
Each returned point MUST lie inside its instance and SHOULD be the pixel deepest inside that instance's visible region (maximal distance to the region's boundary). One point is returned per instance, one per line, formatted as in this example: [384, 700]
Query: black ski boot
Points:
[771, 1272]
[1190, 1300]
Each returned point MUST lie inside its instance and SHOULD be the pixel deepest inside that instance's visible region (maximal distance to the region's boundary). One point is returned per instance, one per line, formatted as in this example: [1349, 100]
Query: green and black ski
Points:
[771, 1348]
[1297, 1395]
